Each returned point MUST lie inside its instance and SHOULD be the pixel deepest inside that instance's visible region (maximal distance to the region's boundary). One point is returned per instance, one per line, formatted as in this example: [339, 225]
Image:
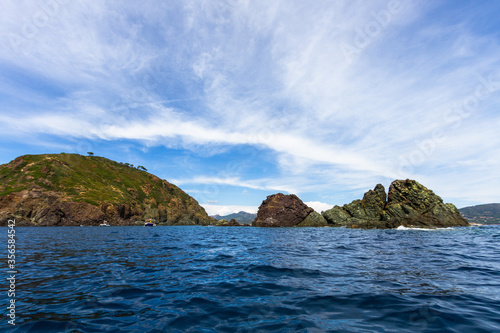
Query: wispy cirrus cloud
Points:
[342, 95]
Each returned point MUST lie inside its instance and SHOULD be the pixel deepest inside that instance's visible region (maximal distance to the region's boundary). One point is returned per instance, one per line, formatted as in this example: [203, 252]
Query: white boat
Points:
[105, 224]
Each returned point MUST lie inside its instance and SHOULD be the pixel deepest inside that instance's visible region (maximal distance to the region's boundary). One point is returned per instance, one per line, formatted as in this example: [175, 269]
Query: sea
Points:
[243, 279]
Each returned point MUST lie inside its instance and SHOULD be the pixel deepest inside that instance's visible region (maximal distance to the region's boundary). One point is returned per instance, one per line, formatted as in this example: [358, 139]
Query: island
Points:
[73, 190]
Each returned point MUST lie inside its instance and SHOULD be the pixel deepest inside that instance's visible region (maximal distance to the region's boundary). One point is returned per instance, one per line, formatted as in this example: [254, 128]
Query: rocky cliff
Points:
[408, 203]
[70, 189]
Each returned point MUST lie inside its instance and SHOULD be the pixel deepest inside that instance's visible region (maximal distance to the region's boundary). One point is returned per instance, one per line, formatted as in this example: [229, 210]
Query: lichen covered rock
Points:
[314, 219]
[409, 204]
[412, 204]
[336, 216]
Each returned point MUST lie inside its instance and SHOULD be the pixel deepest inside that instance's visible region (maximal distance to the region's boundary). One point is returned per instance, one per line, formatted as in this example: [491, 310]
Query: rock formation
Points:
[412, 204]
[225, 223]
[70, 189]
[409, 204]
[280, 210]
[314, 219]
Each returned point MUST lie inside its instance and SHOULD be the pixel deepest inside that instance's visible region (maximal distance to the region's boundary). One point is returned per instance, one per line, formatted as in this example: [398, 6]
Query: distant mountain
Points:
[241, 217]
[484, 214]
[71, 189]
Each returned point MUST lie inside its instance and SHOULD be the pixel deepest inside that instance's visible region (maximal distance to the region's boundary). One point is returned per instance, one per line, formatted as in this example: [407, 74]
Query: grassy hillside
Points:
[118, 190]
[484, 214]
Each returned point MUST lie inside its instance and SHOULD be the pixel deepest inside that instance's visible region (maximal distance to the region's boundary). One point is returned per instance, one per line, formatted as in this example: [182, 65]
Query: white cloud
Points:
[318, 206]
[228, 209]
[259, 184]
[220, 74]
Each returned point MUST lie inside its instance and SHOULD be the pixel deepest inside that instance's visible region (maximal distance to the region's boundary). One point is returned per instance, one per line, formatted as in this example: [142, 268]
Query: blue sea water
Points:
[240, 279]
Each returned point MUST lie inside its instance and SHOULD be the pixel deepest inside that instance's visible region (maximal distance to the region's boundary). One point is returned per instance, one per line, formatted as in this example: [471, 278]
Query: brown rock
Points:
[44, 208]
[280, 210]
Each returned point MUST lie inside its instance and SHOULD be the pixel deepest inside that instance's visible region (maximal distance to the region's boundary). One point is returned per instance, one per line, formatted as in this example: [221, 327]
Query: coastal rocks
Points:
[314, 219]
[370, 207]
[280, 210]
[365, 213]
[409, 204]
[336, 216]
[412, 204]
[37, 207]
[230, 223]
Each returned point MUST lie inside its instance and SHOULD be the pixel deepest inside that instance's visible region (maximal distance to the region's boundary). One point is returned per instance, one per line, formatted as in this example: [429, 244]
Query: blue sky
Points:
[236, 100]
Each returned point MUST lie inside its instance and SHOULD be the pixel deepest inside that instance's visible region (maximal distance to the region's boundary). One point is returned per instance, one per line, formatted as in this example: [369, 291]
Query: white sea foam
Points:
[423, 229]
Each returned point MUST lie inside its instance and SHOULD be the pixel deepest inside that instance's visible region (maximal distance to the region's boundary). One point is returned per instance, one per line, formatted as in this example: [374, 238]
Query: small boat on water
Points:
[150, 223]
[104, 224]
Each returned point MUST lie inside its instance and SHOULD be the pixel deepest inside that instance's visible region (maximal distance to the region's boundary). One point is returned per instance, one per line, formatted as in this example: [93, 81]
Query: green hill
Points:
[70, 189]
[484, 214]
[241, 217]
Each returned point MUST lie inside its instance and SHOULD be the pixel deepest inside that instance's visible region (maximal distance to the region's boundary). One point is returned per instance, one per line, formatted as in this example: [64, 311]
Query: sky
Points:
[237, 100]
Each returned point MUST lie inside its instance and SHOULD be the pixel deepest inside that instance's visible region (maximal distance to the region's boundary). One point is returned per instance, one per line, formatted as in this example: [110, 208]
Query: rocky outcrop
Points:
[412, 204]
[47, 208]
[280, 210]
[408, 203]
[314, 219]
[336, 216]
[225, 223]
[370, 207]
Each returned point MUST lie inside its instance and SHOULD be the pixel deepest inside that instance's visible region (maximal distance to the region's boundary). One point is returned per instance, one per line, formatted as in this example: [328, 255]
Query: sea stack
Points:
[280, 210]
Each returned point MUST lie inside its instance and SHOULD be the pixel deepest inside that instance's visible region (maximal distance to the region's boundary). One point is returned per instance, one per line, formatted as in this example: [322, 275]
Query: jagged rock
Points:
[370, 207]
[409, 204]
[280, 210]
[412, 204]
[336, 216]
[313, 220]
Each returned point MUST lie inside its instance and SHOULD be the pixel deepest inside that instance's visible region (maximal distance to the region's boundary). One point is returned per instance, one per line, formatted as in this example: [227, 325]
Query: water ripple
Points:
[196, 279]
